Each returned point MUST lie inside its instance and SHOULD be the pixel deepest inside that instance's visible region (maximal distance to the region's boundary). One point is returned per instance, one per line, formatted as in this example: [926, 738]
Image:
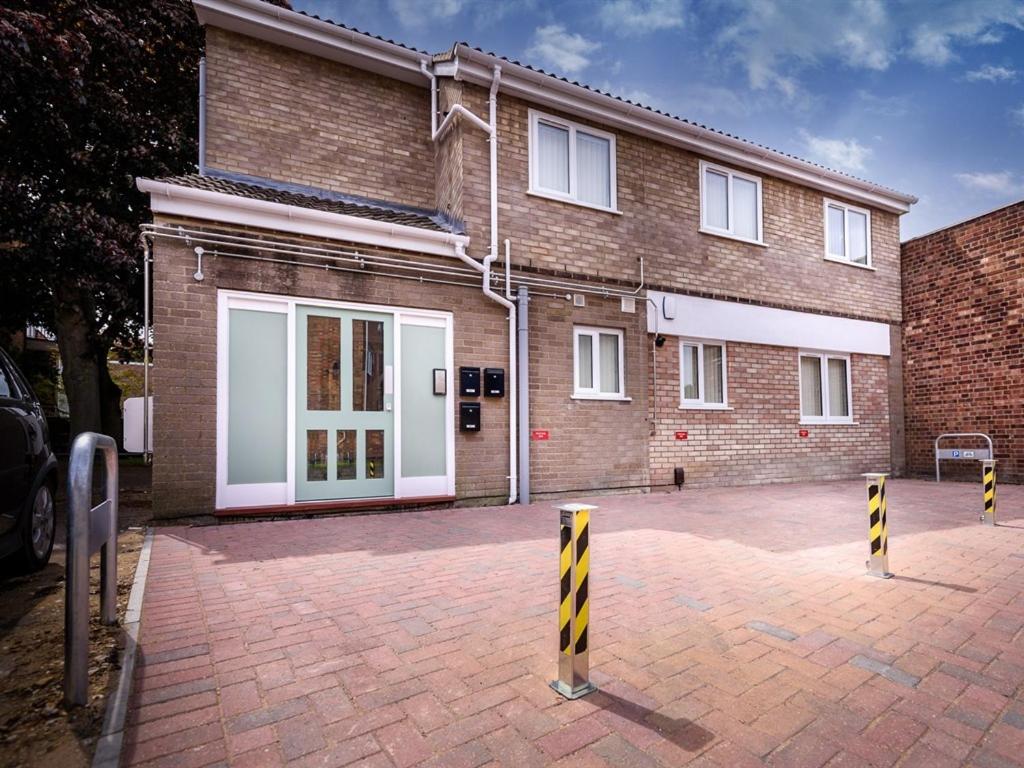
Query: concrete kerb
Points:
[108, 748]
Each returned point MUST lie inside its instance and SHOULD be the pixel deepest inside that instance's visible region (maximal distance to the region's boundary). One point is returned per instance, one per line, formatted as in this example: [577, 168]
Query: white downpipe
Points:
[484, 267]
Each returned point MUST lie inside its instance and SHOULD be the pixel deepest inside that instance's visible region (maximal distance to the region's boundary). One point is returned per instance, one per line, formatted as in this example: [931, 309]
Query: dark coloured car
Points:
[28, 472]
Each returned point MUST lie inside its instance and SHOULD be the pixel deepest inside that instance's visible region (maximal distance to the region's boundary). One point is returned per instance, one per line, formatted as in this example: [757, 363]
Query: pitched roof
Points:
[452, 53]
[256, 188]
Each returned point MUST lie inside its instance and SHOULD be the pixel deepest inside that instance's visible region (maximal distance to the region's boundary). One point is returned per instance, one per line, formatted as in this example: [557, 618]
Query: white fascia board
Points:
[173, 200]
[475, 67]
[701, 318]
[281, 26]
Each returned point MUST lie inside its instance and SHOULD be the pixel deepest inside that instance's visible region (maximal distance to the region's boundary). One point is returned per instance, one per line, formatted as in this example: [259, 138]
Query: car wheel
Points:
[39, 529]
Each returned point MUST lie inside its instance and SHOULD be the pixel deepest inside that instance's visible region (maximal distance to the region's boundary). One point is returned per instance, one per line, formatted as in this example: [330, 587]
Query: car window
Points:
[7, 385]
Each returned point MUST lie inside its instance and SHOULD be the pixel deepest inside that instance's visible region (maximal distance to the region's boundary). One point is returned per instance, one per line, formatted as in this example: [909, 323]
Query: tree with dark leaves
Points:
[92, 94]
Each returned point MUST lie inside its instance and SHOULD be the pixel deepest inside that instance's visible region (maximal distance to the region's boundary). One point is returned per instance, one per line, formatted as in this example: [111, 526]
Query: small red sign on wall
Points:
[540, 434]
[805, 433]
[682, 435]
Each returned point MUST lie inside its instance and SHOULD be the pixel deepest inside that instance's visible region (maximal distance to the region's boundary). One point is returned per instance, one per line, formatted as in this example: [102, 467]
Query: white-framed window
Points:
[598, 365]
[572, 162]
[847, 234]
[826, 392]
[730, 203]
[702, 374]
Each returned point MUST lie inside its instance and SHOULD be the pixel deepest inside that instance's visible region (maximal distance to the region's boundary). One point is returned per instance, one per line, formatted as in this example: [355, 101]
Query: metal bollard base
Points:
[573, 693]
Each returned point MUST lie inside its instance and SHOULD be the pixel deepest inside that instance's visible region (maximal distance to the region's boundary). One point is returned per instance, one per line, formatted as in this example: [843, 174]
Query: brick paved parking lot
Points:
[729, 627]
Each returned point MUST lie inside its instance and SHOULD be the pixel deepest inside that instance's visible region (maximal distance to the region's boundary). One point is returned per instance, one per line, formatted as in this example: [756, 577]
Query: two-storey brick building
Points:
[367, 221]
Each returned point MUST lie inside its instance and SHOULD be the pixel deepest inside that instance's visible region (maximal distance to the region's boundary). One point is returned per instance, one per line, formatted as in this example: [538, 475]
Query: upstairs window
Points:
[730, 203]
[702, 373]
[847, 234]
[597, 353]
[825, 390]
[571, 162]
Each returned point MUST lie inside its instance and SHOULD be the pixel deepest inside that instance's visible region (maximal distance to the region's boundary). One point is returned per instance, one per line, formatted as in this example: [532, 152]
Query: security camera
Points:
[659, 341]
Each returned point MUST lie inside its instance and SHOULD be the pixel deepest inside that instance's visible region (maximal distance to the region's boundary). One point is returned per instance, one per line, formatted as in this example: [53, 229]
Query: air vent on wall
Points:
[579, 300]
[628, 304]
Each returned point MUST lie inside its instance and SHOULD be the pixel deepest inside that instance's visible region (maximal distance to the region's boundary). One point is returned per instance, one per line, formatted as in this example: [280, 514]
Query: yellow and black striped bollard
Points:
[988, 479]
[574, 604]
[878, 560]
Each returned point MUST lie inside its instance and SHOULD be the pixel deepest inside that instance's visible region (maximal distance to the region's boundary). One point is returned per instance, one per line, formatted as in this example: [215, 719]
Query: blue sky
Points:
[926, 96]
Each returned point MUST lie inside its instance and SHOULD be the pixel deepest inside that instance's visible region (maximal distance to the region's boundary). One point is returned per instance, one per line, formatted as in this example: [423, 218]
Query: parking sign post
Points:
[878, 528]
[574, 606]
[988, 479]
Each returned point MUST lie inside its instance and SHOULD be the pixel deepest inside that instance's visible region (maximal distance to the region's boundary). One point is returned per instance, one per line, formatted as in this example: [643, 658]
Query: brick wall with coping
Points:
[963, 340]
[758, 440]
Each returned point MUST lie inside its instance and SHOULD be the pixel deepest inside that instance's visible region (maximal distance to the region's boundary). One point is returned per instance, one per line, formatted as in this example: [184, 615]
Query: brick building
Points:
[368, 215]
[963, 339]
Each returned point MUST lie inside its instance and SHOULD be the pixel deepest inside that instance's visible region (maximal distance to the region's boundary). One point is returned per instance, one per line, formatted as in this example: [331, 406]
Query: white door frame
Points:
[276, 494]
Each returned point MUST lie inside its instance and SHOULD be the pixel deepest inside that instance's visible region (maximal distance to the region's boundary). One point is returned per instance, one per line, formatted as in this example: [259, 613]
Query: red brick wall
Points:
[963, 339]
[758, 441]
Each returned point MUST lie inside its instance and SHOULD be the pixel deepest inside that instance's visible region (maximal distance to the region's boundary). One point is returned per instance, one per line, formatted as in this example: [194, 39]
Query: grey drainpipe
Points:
[202, 116]
[523, 337]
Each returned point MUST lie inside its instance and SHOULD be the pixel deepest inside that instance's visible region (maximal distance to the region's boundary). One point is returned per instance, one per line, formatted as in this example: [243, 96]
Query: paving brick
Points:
[676, 685]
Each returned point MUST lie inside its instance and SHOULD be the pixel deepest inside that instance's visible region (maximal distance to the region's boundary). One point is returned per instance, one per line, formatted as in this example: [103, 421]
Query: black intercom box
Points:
[469, 417]
[494, 382]
[469, 382]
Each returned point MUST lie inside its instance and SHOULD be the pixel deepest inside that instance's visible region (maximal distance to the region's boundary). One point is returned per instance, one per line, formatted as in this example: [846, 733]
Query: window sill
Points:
[700, 407]
[727, 236]
[837, 260]
[831, 423]
[610, 398]
[572, 201]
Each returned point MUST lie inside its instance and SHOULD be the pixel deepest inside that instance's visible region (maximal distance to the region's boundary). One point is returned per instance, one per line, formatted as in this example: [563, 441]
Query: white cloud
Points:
[775, 41]
[998, 183]
[962, 23]
[1017, 115]
[566, 52]
[418, 13]
[641, 17]
[843, 154]
[883, 106]
[991, 74]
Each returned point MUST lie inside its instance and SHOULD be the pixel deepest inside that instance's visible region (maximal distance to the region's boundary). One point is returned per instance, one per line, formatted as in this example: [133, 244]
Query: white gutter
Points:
[484, 267]
[175, 200]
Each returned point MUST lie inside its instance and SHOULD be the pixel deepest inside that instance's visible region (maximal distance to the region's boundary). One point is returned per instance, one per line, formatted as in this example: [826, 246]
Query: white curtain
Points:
[593, 169]
[553, 158]
[838, 395]
[585, 361]
[609, 346]
[744, 208]
[716, 200]
[858, 237]
[691, 386]
[836, 236]
[810, 386]
[714, 389]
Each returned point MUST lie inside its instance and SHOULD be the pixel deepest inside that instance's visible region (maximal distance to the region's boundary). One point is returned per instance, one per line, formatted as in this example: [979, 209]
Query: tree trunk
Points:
[110, 401]
[73, 319]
